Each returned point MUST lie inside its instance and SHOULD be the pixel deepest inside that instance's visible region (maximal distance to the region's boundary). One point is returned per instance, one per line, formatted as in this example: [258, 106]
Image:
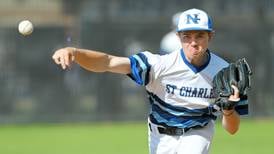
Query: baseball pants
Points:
[194, 141]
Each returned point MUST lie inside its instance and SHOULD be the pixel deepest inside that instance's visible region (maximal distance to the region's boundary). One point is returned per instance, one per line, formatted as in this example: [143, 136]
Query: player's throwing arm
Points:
[91, 60]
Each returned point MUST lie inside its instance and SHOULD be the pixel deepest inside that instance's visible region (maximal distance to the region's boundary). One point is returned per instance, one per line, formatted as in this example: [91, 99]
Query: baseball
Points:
[25, 27]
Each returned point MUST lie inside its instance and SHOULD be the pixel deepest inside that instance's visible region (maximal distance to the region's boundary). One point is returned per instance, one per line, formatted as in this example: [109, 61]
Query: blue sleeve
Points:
[140, 69]
[242, 107]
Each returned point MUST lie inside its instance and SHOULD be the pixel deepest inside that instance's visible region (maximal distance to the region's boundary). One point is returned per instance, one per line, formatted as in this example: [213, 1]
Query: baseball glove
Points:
[237, 74]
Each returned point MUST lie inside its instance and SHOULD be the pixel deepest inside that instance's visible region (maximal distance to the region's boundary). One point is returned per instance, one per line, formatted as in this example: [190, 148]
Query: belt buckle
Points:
[178, 131]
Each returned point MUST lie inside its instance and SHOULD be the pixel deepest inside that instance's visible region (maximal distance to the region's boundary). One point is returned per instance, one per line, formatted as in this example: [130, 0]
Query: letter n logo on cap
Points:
[194, 19]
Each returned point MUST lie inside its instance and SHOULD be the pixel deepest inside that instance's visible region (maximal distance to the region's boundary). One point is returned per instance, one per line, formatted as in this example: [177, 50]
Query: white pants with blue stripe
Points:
[194, 141]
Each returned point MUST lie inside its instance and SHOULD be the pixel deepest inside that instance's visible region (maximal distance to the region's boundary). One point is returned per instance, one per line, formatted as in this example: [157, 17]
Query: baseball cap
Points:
[194, 19]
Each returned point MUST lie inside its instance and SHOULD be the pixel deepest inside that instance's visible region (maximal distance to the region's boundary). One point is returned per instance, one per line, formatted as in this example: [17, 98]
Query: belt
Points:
[174, 131]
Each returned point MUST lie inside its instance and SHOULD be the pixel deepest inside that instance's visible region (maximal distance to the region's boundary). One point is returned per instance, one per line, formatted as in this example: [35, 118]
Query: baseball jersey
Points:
[180, 94]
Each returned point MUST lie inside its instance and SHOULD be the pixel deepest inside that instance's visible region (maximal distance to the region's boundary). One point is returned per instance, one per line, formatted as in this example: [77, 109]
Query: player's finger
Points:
[62, 62]
[236, 91]
[66, 59]
[236, 95]
[72, 58]
[56, 59]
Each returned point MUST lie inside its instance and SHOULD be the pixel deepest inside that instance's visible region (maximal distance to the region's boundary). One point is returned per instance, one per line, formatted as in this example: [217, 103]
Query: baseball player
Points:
[179, 86]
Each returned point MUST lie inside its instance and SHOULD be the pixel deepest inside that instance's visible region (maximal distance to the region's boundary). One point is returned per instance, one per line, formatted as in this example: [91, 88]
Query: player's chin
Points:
[196, 53]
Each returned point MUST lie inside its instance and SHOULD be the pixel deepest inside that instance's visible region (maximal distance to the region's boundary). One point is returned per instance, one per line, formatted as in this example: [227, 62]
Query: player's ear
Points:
[179, 34]
[211, 34]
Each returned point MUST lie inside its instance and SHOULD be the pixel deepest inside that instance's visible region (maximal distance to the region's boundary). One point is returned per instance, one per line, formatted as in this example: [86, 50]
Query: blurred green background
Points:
[254, 137]
[44, 109]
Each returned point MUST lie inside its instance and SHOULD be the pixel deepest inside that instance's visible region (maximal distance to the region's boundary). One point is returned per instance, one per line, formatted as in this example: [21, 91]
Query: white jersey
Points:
[180, 94]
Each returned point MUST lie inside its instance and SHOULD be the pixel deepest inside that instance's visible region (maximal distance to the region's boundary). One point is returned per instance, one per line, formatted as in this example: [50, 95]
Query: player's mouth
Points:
[195, 50]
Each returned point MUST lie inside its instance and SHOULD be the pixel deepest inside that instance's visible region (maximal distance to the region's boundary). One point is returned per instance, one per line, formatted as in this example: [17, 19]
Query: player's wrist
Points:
[228, 112]
[74, 51]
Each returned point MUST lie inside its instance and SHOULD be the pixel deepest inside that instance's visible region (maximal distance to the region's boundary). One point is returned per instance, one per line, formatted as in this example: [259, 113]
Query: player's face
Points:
[195, 44]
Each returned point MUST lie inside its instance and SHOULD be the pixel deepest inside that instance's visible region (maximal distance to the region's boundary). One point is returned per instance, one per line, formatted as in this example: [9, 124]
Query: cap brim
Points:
[193, 28]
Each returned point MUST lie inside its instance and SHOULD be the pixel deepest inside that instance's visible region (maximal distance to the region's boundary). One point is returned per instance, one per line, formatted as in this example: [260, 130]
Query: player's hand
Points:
[236, 96]
[64, 57]
[233, 98]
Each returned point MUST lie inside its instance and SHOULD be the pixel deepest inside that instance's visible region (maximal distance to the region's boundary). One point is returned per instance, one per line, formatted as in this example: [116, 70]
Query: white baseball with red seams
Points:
[25, 27]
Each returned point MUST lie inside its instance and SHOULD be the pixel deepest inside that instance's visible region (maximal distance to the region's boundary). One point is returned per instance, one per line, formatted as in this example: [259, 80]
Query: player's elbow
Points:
[233, 131]
[231, 128]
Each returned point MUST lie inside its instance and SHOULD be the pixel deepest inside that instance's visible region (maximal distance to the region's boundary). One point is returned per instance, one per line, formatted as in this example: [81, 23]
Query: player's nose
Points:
[193, 41]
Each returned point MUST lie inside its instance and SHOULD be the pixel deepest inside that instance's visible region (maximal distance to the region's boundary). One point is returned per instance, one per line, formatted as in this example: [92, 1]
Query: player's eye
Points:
[186, 37]
[200, 36]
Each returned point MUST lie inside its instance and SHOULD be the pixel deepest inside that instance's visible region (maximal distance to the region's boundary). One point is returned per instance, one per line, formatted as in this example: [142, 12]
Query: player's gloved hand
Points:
[229, 81]
[230, 102]
[64, 57]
